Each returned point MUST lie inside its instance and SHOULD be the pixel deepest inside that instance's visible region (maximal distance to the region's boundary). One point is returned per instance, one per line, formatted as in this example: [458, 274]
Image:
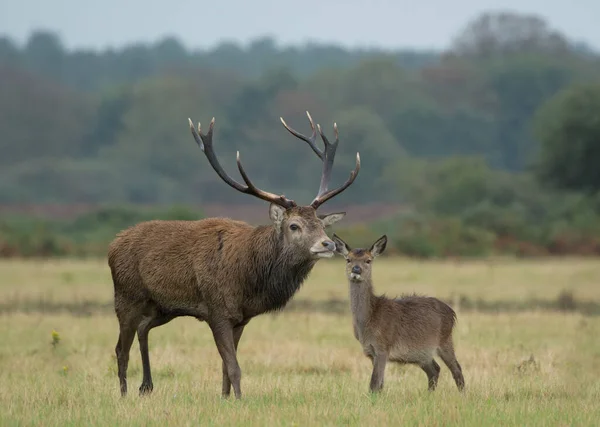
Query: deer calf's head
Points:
[304, 230]
[358, 261]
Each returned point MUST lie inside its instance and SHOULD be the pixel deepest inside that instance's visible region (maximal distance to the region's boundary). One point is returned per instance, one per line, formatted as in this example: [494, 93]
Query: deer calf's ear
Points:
[379, 246]
[341, 247]
[276, 214]
[331, 219]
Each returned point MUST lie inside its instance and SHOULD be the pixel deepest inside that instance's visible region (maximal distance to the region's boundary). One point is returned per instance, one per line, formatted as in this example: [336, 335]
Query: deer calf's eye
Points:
[294, 227]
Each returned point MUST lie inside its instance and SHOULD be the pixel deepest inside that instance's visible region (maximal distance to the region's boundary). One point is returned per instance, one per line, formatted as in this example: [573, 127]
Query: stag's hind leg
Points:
[446, 352]
[128, 322]
[143, 329]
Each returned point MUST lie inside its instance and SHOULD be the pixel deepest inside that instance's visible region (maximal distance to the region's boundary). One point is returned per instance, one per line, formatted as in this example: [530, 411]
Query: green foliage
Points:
[466, 207]
[435, 237]
[568, 128]
[87, 234]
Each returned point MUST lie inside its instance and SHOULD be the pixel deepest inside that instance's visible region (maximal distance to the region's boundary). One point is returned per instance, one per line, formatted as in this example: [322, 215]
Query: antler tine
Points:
[327, 156]
[330, 150]
[205, 144]
[322, 198]
[310, 140]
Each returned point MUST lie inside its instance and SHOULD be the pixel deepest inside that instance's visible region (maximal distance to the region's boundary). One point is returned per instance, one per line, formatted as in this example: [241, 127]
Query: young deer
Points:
[410, 329]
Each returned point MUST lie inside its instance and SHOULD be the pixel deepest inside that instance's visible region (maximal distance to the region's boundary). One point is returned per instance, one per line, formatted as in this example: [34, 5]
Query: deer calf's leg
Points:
[237, 334]
[432, 369]
[449, 357]
[379, 362]
[223, 335]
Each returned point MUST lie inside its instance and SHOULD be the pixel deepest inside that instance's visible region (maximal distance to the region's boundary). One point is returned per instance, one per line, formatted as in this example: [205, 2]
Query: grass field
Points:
[525, 361]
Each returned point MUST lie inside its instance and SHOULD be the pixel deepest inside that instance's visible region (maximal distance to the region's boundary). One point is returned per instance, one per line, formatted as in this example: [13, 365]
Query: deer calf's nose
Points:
[356, 269]
[329, 245]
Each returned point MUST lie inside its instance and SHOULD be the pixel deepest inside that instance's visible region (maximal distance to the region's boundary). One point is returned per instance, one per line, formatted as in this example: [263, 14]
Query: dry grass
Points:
[299, 368]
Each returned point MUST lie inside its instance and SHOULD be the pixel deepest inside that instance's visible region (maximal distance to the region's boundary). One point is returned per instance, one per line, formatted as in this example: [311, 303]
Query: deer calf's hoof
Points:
[146, 389]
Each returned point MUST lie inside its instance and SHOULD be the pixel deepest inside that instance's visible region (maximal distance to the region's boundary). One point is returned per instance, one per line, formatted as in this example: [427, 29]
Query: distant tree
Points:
[9, 53]
[153, 142]
[494, 33]
[45, 54]
[108, 123]
[363, 131]
[39, 118]
[135, 62]
[170, 51]
[568, 128]
[520, 84]
[428, 130]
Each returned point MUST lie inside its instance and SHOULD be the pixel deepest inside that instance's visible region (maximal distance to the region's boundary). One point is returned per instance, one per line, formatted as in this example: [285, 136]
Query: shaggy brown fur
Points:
[410, 329]
[217, 270]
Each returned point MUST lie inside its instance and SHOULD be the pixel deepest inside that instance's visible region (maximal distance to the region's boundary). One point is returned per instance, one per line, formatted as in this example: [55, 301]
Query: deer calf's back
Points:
[411, 329]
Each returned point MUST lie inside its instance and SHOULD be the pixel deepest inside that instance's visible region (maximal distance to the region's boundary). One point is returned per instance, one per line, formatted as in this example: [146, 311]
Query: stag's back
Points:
[170, 262]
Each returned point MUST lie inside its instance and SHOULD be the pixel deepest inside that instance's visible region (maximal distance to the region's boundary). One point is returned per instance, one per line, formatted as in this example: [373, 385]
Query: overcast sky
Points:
[383, 23]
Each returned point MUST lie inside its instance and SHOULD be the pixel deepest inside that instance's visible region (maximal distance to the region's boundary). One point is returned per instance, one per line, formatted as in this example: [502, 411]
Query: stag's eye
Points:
[294, 227]
[368, 261]
[348, 261]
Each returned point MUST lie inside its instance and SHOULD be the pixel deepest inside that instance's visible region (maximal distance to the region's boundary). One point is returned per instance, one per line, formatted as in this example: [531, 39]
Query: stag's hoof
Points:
[146, 389]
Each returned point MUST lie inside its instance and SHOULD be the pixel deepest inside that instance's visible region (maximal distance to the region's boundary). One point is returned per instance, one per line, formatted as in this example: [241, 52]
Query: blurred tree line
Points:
[500, 133]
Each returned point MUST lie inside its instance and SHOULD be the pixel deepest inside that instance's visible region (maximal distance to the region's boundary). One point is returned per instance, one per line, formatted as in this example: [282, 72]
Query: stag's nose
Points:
[329, 245]
[356, 269]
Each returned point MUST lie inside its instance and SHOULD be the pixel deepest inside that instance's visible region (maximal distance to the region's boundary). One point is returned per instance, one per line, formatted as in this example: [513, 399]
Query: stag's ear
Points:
[331, 219]
[341, 247]
[276, 214]
[379, 246]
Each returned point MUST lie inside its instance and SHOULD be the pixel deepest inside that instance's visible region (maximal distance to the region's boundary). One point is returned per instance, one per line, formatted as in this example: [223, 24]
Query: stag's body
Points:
[218, 270]
[195, 268]
[407, 330]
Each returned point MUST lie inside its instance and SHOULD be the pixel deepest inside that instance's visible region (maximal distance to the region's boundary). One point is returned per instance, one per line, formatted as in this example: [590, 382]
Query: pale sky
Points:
[202, 24]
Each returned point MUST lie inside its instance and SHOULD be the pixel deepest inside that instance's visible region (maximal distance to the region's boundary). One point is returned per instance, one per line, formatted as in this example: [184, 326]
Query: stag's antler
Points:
[327, 156]
[205, 143]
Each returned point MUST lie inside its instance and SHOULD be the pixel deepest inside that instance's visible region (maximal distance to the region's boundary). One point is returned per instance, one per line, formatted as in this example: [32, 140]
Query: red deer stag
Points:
[218, 270]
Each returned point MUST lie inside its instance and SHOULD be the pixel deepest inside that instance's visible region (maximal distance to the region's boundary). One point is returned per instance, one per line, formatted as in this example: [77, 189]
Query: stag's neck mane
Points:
[278, 272]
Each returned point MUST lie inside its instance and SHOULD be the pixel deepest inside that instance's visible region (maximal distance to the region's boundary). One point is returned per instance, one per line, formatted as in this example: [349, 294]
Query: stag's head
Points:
[358, 260]
[299, 226]
[302, 228]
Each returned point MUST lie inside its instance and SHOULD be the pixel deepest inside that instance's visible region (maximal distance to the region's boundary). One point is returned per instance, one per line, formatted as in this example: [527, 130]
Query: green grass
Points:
[303, 366]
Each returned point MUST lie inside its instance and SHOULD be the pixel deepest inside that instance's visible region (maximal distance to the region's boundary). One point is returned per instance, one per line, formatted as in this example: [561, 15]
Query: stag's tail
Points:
[448, 320]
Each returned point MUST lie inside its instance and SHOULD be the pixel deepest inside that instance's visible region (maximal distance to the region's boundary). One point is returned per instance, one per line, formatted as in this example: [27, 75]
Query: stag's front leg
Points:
[237, 334]
[224, 338]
